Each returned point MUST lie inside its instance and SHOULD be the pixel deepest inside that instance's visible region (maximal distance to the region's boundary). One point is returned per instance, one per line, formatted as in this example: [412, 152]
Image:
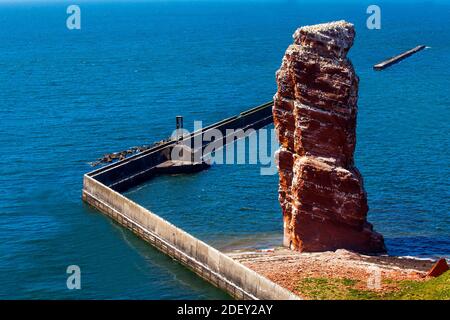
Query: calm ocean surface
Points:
[68, 97]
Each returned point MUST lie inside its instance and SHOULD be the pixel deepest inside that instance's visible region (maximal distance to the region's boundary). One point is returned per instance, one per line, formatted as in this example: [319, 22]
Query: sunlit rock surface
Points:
[321, 192]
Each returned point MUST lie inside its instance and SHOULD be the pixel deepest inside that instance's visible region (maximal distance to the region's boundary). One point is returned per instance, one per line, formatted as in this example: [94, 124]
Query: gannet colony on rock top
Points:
[321, 191]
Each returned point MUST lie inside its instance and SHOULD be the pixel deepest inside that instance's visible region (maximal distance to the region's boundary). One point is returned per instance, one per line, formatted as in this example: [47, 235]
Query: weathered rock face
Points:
[321, 193]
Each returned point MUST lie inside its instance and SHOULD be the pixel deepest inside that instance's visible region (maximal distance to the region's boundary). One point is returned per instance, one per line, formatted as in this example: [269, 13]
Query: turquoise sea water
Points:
[68, 97]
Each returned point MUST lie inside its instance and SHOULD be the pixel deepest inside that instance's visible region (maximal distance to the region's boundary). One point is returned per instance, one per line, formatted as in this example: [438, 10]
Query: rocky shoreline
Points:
[292, 268]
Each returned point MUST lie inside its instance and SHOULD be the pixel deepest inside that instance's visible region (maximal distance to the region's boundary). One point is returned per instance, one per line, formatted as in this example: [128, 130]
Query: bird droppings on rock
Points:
[321, 192]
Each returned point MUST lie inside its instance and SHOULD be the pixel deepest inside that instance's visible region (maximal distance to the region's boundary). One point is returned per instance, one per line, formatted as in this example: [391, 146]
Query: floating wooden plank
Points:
[400, 57]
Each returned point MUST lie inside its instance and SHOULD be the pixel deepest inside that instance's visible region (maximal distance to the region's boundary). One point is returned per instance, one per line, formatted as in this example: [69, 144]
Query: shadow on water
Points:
[182, 275]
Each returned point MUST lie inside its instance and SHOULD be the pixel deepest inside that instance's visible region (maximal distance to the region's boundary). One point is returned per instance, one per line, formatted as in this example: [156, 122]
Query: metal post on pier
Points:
[179, 126]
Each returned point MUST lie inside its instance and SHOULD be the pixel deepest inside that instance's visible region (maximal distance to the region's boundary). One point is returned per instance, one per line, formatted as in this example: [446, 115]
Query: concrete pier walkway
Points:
[102, 187]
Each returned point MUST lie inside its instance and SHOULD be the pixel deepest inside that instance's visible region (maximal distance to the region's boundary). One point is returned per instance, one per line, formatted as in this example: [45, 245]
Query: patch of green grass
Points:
[433, 289]
[348, 282]
[349, 289]
[327, 289]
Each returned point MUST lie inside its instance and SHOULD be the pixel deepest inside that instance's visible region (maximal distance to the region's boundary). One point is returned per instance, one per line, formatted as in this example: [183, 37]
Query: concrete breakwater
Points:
[132, 171]
[101, 190]
[398, 58]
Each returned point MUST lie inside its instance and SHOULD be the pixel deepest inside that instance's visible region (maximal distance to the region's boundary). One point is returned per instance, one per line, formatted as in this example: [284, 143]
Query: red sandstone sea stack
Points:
[321, 192]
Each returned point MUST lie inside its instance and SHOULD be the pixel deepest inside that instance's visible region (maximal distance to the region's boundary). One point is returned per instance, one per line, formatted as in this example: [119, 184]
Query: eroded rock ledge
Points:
[321, 192]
